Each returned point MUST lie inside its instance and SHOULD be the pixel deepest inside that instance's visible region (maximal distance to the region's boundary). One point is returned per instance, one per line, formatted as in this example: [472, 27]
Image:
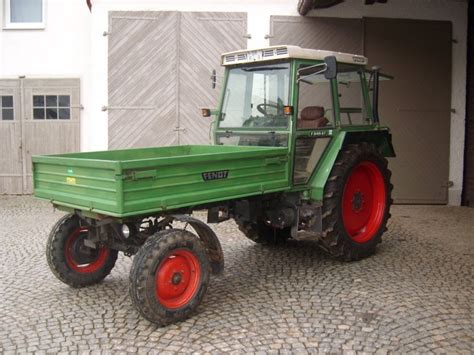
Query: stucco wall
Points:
[73, 45]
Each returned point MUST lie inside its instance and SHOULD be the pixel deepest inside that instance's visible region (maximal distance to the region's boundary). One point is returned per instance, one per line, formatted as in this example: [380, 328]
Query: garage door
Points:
[38, 116]
[160, 64]
[416, 105]
[11, 174]
[334, 34]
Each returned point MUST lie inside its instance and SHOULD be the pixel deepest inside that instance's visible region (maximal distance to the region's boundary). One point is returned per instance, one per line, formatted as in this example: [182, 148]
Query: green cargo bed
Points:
[133, 182]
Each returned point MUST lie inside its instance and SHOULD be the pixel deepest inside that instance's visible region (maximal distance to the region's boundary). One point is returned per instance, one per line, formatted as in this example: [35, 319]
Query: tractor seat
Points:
[312, 117]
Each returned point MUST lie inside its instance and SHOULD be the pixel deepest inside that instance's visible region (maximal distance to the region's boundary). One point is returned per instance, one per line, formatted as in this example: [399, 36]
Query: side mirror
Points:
[213, 78]
[331, 67]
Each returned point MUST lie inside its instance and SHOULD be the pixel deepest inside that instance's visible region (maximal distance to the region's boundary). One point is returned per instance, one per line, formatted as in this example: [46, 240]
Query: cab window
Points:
[314, 99]
[354, 108]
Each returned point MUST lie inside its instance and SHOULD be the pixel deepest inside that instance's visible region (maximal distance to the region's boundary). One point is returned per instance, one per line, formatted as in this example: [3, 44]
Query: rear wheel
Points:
[169, 276]
[356, 204]
[71, 260]
[261, 233]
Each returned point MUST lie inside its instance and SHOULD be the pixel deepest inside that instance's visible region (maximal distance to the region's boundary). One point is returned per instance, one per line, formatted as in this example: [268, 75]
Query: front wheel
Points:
[356, 204]
[71, 260]
[169, 276]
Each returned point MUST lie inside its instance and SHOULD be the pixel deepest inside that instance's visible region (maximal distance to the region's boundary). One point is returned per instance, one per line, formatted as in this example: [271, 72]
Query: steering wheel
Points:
[262, 108]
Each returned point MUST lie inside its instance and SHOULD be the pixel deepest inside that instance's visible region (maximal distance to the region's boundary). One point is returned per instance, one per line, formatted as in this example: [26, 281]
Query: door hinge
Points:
[448, 184]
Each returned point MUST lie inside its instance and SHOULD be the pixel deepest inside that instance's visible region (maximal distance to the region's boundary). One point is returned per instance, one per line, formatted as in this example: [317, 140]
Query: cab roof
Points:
[286, 51]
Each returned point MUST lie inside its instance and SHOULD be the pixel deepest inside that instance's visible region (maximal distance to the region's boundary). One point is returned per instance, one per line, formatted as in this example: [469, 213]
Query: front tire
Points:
[169, 276]
[356, 204]
[71, 261]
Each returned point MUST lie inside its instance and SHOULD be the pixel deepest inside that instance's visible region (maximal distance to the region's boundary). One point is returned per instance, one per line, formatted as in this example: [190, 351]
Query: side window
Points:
[351, 100]
[51, 107]
[7, 111]
[314, 99]
[24, 14]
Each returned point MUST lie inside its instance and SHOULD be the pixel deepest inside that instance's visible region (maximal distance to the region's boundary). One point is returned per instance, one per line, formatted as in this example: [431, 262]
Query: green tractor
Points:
[298, 152]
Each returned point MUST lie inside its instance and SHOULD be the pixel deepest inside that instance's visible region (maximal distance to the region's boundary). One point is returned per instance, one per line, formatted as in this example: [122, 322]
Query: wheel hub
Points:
[357, 201]
[82, 254]
[80, 257]
[177, 278]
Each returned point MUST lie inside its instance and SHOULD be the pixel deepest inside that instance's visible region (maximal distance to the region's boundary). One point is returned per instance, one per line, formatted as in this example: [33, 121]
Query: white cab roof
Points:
[284, 51]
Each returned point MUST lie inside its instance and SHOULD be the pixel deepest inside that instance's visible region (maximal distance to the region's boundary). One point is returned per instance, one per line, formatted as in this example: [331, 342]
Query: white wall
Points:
[62, 49]
[73, 45]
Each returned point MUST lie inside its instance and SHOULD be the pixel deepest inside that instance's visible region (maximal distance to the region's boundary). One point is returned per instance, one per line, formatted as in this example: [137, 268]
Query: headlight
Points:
[125, 231]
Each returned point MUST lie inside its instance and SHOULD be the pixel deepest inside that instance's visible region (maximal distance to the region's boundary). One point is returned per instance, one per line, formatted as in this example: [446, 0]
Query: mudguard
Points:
[210, 240]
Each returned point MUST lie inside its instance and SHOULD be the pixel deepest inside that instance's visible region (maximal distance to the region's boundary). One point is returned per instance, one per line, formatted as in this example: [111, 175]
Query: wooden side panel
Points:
[416, 105]
[142, 79]
[204, 37]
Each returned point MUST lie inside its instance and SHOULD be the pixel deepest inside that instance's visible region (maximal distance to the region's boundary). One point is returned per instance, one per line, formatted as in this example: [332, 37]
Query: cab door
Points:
[314, 121]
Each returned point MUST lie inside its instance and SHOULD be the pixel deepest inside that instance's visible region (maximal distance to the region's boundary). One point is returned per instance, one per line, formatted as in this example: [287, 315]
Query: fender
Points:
[324, 167]
[381, 138]
[210, 240]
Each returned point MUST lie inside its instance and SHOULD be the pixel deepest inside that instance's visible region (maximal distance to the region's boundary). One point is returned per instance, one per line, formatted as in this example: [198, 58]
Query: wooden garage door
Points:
[37, 116]
[11, 173]
[416, 105]
[160, 64]
[334, 34]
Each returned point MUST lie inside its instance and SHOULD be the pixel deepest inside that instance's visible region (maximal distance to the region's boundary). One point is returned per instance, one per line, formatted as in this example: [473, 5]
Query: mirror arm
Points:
[375, 103]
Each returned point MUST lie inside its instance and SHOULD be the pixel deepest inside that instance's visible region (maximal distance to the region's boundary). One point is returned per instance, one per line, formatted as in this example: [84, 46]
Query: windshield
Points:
[255, 97]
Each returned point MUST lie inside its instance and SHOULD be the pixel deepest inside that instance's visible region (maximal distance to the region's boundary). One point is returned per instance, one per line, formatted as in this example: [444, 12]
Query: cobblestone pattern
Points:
[415, 294]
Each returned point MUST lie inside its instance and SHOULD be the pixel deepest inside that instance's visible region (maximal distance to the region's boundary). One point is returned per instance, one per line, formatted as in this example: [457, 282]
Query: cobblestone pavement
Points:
[414, 295]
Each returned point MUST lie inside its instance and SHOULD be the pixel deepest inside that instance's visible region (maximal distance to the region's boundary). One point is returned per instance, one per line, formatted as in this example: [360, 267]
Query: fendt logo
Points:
[215, 175]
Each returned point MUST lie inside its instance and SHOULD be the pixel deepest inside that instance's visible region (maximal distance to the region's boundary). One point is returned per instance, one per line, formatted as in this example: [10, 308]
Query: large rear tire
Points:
[169, 276]
[71, 261]
[356, 204]
[260, 233]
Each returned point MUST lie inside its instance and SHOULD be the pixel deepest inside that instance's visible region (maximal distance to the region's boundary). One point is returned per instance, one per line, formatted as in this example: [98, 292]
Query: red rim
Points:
[80, 258]
[177, 278]
[363, 202]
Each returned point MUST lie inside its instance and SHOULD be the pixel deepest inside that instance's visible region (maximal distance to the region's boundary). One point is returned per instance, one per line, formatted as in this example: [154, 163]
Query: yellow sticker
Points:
[71, 180]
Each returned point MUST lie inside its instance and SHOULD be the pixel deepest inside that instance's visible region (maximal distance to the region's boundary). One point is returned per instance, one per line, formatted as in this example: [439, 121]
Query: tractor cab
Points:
[275, 94]
[302, 99]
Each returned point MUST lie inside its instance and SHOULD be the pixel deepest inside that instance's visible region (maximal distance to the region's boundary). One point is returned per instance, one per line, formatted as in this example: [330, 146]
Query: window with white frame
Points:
[24, 14]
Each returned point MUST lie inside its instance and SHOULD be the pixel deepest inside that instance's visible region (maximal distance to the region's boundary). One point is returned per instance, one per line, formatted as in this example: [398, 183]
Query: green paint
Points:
[132, 182]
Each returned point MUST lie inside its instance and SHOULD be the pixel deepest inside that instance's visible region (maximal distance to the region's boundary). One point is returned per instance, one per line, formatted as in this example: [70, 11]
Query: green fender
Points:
[381, 138]
[324, 167]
